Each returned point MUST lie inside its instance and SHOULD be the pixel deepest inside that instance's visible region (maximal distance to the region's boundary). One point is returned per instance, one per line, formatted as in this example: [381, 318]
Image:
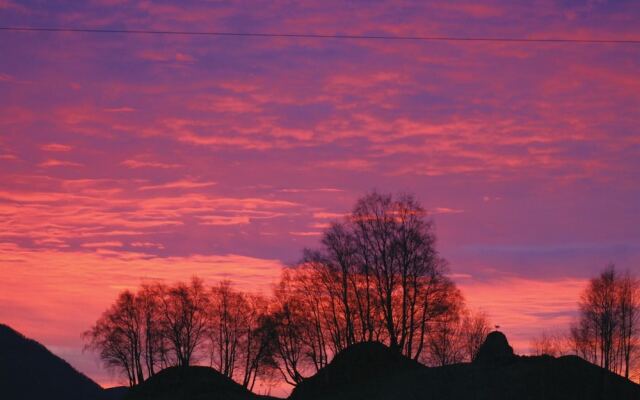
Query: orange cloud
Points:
[307, 233]
[56, 147]
[181, 184]
[101, 244]
[58, 163]
[148, 164]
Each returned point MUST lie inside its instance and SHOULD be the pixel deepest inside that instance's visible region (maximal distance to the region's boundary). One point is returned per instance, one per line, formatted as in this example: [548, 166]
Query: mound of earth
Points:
[115, 393]
[190, 383]
[29, 371]
[359, 364]
[495, 350]
[496, 374]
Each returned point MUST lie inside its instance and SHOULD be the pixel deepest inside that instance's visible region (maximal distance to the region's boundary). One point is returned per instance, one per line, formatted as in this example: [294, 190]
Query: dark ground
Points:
[371, 371]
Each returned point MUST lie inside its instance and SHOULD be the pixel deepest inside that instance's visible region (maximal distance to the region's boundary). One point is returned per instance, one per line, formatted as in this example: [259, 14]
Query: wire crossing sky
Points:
[322, 36]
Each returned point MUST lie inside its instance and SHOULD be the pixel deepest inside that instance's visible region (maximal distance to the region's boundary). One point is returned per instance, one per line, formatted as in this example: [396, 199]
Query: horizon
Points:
[130, 158]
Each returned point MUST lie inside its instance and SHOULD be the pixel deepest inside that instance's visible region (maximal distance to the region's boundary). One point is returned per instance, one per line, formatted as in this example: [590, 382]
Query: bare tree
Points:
[341, 263]
[289, 346]
[607, 331]
[549, 343]
[301, 331]
[117, 336]
[258, 346]
[161, 326]
[475, 328]
[183, 309]
[376, 276]
[629, 315]
[375, 222]
[396, 246]
[154, 346]
[445, 341]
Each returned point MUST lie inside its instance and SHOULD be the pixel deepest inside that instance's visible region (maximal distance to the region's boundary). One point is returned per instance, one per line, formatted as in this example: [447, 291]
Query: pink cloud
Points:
[181, 184]
[306, 233]
[352, 164]
[147, 245]
[58, 163]
[56, 147]
[446, 210]
[151, 55]
[224, 220]
[120, 110]
[101, 244]
[148, 164]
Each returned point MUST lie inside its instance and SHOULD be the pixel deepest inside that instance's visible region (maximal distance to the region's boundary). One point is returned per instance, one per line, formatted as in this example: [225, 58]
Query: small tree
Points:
[607, 331]
[228, 324]
[117, 337]
[258, 346]
[551, 344]
[183, 309]
[154, 345]
[474, 331]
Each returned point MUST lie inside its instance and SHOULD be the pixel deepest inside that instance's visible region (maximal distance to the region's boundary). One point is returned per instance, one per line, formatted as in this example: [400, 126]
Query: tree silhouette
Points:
[608, 330]
[117, 336]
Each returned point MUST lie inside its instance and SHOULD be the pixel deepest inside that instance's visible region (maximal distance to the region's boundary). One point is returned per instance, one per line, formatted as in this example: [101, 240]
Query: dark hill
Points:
[361, 363]
[496, 374]
[115, 393]
[190, 383]
[29, 371]
[495, 350]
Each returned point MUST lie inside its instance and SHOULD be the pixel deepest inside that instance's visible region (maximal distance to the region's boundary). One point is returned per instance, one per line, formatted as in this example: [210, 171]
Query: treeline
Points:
[607, 330]
[182, 324]
[376, 277]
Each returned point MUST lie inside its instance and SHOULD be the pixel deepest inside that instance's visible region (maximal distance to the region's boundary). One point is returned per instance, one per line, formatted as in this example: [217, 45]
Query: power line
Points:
[321, 36]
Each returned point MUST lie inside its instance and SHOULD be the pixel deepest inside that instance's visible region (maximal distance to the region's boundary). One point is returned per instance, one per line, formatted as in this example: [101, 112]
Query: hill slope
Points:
[190, 383]
[29, 371]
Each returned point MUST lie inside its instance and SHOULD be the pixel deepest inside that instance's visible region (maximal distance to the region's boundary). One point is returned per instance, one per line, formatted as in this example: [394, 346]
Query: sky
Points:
[126, 158]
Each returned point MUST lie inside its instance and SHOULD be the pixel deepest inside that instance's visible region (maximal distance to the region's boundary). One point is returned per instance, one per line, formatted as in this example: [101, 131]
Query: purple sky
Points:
[132, 157]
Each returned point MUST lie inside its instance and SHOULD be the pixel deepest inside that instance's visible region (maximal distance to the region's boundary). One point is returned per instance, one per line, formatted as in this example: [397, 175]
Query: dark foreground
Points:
[28, 371]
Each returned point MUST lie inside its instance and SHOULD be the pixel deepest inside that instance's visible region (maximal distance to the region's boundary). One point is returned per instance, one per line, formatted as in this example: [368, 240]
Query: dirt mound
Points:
[190, 383]
[495, 350]
[373, 372]
[359, 364]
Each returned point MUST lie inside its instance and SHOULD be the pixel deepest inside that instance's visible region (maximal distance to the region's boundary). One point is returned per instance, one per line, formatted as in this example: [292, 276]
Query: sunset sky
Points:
[125, 158]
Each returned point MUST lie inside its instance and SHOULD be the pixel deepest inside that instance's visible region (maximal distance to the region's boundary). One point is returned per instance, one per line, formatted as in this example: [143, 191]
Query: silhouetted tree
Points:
[551, 344]
[607, 331]
[227, 326]
[475, 328]
[289, 325]
[258, 346]
[629, 315]
[117, 336]
[445, 341]
[376, 276]
[154, 347]
[184, 316]
[380, 275]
